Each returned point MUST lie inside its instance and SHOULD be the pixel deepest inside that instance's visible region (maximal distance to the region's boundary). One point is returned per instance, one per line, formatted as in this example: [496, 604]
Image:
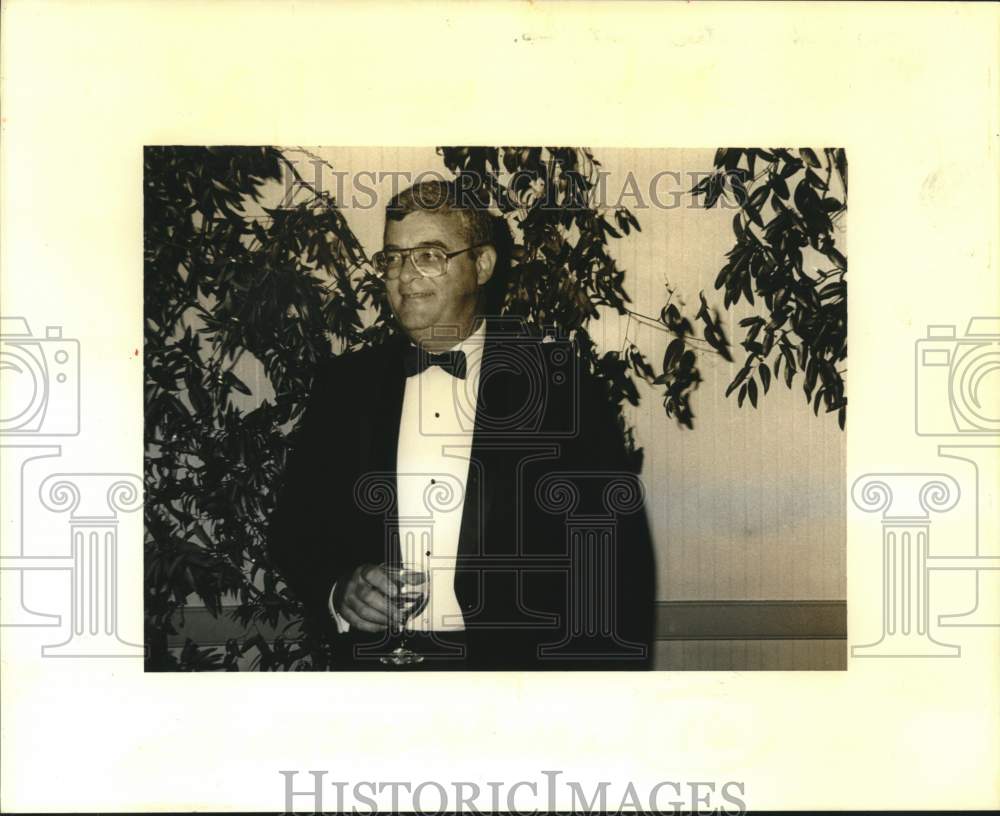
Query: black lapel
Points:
[380, 426]
[492, 399]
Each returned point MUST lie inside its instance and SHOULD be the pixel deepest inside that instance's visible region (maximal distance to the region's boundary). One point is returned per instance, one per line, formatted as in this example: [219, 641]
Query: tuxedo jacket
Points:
[554, 568]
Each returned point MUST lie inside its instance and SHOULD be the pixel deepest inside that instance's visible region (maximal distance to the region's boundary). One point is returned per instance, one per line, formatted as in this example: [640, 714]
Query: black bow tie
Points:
[416, 361]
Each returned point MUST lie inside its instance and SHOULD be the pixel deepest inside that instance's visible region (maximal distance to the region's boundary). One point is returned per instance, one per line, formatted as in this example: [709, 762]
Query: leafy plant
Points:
[680, 375]
[790, 264]
[558, 267]
[219, 285]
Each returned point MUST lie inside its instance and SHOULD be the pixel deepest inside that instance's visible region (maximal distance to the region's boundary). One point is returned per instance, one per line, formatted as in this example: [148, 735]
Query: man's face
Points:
[447, 303]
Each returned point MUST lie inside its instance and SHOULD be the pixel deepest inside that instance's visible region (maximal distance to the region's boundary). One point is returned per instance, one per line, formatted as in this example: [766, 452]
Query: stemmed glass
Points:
[413, 600]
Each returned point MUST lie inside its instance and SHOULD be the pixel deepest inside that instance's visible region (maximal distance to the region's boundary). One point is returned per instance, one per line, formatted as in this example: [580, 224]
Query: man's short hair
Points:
[445, 198]
[470, 206]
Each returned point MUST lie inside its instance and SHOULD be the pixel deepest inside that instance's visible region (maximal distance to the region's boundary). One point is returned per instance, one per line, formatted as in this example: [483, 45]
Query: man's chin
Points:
[417, 327]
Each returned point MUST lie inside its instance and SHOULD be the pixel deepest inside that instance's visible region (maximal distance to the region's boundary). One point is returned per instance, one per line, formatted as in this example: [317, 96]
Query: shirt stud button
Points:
[436, 415]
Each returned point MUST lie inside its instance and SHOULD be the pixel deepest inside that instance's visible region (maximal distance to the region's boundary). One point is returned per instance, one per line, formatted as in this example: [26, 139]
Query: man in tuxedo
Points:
[465, 477]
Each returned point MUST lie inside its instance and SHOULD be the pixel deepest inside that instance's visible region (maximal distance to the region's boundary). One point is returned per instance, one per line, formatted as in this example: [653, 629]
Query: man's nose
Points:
[409, 269]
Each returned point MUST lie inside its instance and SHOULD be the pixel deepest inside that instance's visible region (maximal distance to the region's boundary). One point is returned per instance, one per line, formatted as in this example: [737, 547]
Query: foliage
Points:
[805, 325]
[680, 369]
[219, 285]
[558, 265]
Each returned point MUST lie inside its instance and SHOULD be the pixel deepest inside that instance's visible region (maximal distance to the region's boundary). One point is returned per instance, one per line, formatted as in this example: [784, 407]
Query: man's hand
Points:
[369, 598]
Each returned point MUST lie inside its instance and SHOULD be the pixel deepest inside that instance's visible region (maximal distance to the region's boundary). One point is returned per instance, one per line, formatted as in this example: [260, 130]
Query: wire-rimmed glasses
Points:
[429, 261]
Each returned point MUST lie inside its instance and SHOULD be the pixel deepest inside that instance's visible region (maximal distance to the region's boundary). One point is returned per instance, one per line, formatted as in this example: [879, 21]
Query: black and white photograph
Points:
[445, 407]
[494, 408]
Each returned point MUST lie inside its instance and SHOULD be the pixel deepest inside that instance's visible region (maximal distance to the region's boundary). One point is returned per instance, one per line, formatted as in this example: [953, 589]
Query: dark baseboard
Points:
[675, 620]
[751, 620]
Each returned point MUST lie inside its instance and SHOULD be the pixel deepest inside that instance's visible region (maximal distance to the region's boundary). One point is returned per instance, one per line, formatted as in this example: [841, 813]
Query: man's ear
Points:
[486, 262]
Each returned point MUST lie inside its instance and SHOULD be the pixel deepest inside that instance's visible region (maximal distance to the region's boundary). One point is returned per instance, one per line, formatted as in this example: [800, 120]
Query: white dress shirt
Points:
[432, 467]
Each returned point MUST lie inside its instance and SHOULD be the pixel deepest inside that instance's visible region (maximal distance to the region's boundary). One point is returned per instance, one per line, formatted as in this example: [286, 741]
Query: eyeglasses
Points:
[429, 261]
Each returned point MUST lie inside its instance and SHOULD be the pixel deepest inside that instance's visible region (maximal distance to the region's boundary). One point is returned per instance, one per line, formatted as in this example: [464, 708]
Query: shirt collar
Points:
[474, 346]
[470, 343]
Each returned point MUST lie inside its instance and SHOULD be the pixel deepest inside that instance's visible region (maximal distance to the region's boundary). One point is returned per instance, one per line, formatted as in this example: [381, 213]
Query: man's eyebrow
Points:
[431, 243]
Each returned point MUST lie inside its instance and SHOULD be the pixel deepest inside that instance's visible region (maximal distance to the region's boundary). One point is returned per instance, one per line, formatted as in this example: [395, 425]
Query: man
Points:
[466, 477]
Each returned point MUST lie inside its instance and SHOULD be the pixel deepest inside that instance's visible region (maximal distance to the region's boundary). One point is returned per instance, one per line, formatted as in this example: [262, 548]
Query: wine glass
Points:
[414, 594]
